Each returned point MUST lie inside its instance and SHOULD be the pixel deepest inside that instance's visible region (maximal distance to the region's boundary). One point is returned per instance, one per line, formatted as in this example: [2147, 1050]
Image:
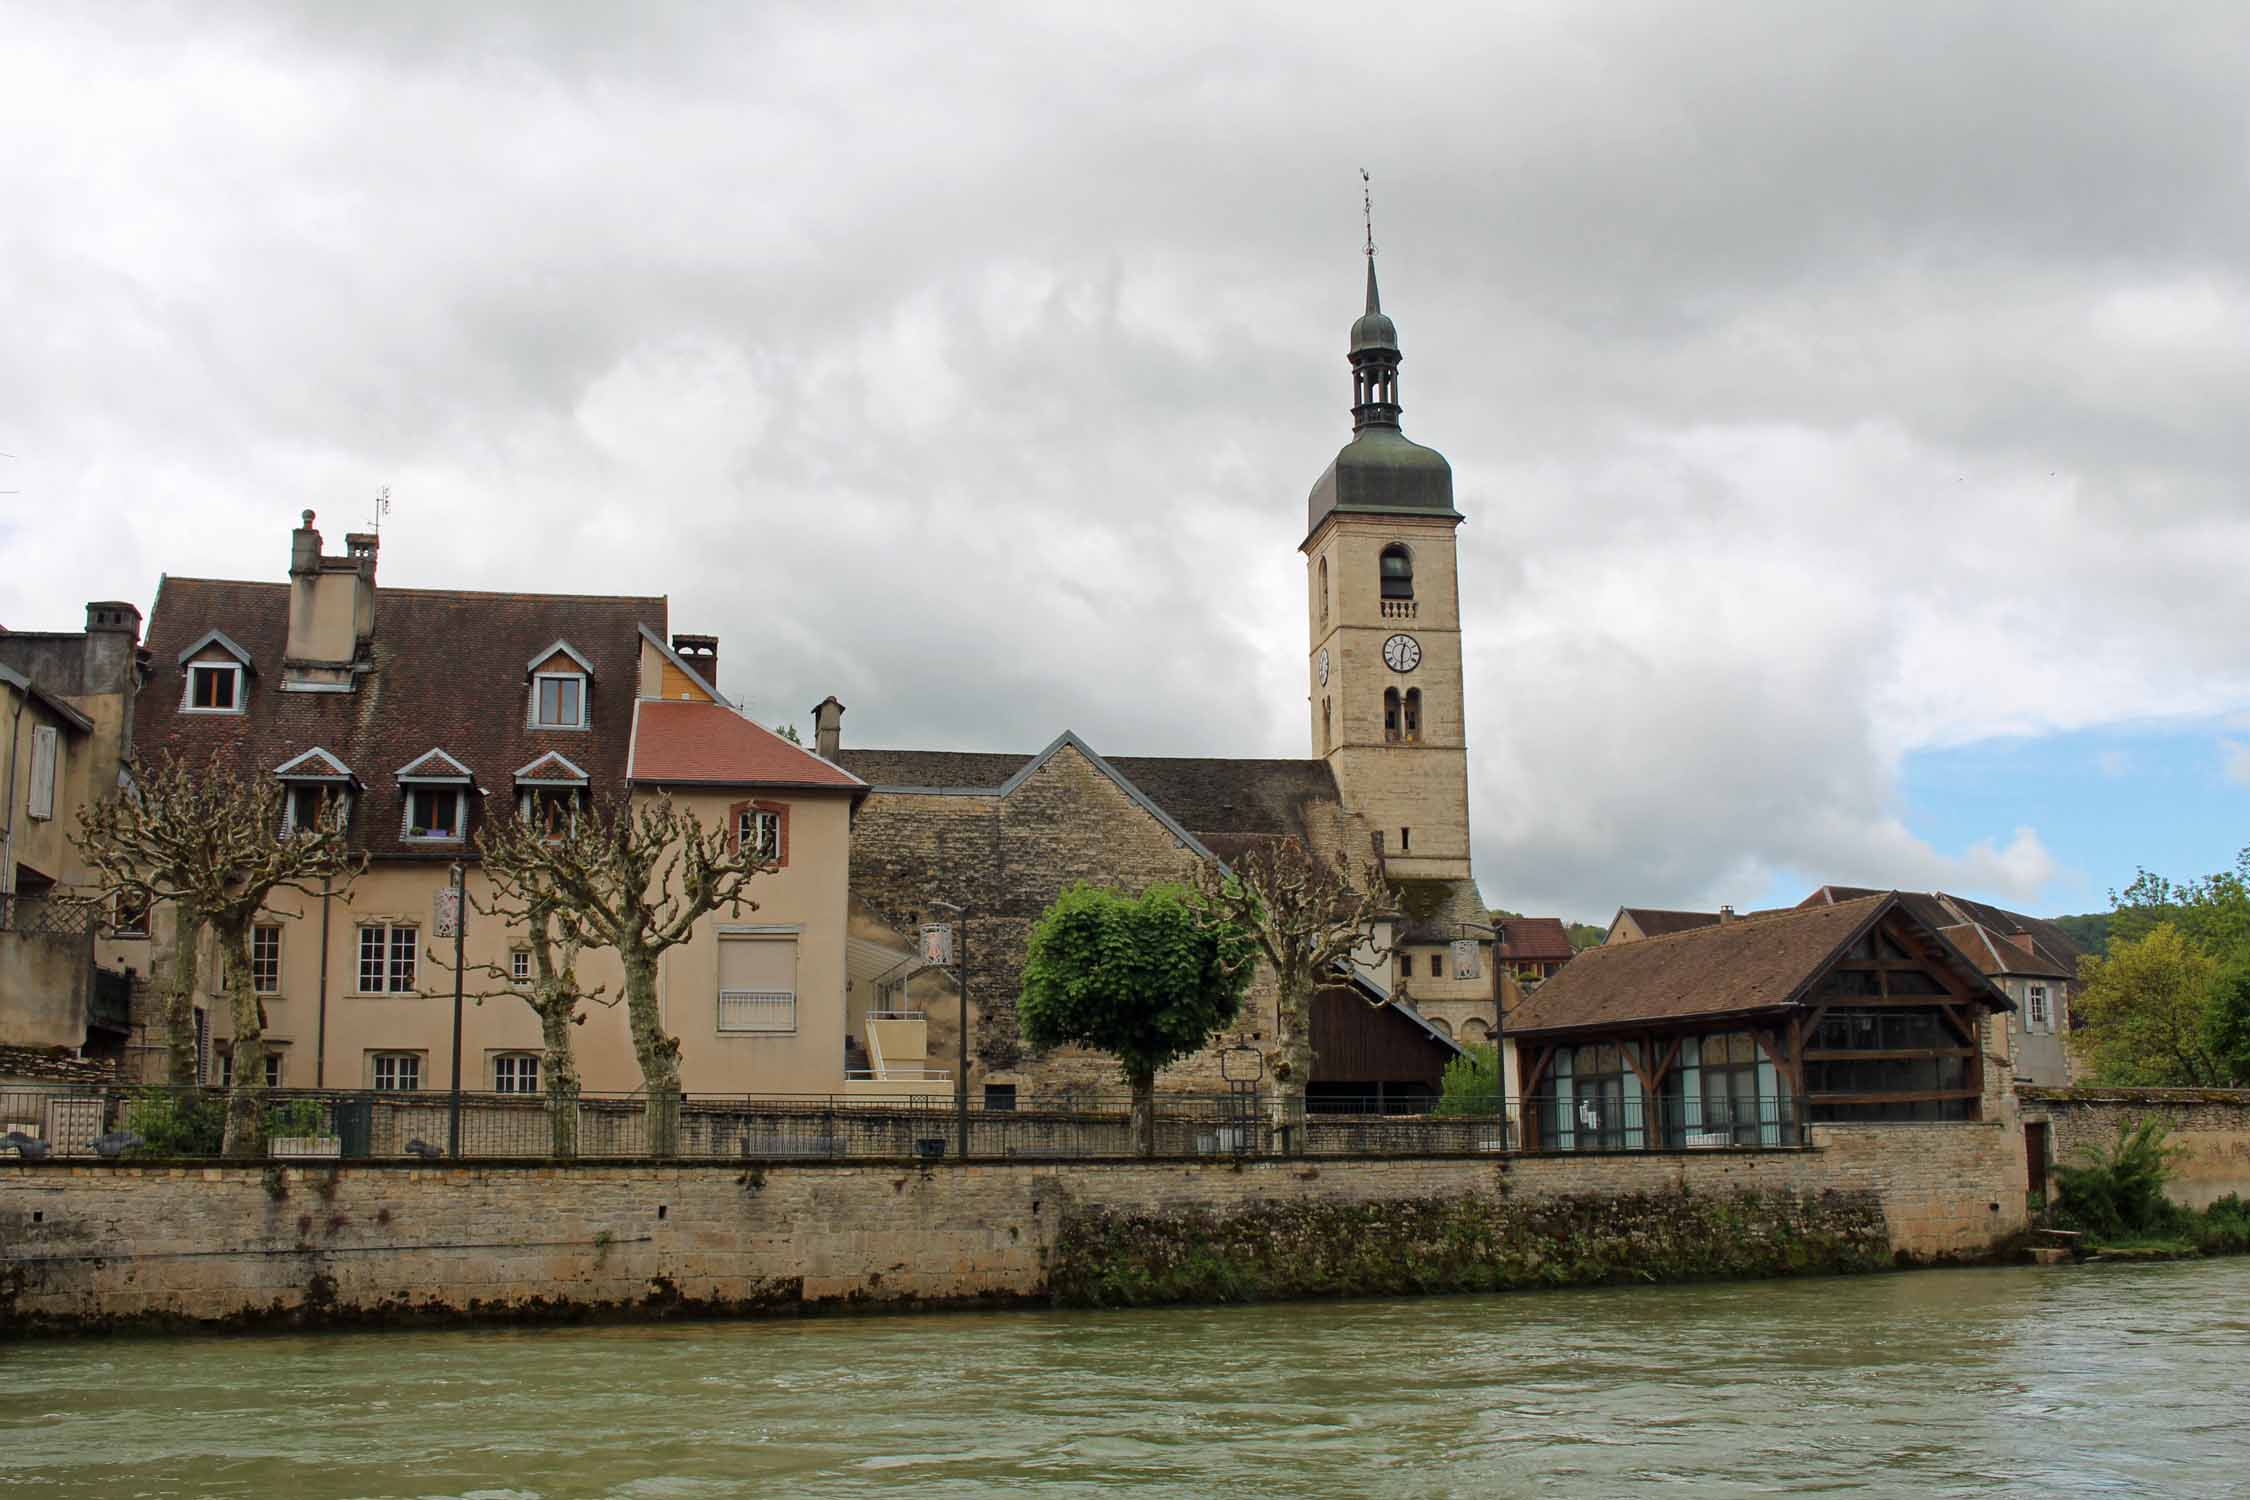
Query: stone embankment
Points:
[122, 1246]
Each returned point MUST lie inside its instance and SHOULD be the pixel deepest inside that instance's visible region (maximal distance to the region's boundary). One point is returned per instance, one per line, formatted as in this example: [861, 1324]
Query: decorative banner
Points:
[1465, 958]
[937, 944]
[445, 911]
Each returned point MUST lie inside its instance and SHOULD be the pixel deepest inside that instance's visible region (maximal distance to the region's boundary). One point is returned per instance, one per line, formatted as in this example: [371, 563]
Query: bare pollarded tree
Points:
[1308, 915]
[635, 878]
[209, 841]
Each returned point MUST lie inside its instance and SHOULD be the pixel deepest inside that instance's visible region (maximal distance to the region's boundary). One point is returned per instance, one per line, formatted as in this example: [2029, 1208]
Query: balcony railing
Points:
[1398, 609]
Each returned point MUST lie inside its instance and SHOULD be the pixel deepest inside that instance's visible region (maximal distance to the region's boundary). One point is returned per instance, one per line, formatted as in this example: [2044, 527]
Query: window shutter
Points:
[288, 809]
[44, 747]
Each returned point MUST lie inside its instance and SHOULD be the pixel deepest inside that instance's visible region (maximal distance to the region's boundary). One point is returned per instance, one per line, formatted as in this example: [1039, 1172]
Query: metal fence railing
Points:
[161, 1122]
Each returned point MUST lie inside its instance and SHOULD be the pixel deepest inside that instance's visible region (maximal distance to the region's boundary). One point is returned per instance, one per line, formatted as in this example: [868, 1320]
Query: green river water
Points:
[2097, 1380]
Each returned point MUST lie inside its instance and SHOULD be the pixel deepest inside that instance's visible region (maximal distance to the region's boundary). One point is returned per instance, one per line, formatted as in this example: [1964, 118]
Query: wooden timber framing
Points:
[1901, 965]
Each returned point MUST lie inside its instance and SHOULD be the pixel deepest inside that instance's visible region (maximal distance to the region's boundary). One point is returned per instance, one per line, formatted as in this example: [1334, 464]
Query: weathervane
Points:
[1367, 207]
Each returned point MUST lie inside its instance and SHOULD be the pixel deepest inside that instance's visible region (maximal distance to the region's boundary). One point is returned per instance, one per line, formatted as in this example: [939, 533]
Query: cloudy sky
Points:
[1847, 400]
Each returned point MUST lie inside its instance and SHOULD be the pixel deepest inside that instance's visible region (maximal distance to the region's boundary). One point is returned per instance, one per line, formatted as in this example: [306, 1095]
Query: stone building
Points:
[67, 704]
[418, 715]
[999, 835]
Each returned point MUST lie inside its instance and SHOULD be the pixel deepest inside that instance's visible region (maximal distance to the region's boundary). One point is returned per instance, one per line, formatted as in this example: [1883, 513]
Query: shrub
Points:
[172, 1122]
[297, 1117]
[2225, 1229]
[2119, 1189]
[1471, 1085]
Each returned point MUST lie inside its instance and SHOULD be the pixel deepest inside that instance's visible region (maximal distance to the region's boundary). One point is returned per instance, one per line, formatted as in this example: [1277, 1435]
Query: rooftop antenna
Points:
[1367, 207]
[382, 509]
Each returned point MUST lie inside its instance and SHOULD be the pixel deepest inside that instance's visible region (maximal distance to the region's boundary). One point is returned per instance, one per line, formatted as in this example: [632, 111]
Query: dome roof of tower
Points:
[1383, 470]
[1374, 330]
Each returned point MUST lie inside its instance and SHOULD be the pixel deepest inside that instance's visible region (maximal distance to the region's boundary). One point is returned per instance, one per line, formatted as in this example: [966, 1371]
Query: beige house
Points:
[66, 722]
[427, 712]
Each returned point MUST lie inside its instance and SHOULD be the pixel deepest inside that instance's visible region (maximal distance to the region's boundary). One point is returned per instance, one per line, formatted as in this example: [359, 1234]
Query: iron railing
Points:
[165, 1122]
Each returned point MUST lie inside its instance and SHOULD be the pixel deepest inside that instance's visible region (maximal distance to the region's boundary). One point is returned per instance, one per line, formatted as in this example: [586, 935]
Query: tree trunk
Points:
[558, 1069]
[181, 1062]
[658, 1054]
[1293, 1067]
[1144, 1112]
[246, 1134]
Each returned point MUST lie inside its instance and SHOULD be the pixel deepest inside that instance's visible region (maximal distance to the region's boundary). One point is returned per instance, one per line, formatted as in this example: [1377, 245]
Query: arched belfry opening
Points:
[1397, 567]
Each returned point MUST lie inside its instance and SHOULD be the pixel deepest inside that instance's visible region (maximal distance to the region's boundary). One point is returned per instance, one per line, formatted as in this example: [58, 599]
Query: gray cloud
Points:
[1822, 384]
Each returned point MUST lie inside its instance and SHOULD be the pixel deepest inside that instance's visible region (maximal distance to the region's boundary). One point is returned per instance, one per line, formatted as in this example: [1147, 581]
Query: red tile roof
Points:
[1533, 939]
[445, 669]
[709, 744]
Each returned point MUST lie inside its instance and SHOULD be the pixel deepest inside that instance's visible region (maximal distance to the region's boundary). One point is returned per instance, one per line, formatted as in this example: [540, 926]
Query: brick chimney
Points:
[828, 727]
[2024, 941]
[701, 652]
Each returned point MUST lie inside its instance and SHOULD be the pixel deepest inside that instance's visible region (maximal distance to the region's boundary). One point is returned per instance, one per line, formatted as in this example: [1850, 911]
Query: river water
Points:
[2095, 1380]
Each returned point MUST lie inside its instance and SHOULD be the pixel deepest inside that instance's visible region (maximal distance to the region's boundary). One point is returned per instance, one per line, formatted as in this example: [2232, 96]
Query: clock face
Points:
[1402, 653]
[1324, 666]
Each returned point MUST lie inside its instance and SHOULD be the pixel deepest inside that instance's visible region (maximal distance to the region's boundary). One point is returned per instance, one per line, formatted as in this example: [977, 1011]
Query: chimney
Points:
[828, 727]
[360, 549]
[304, 549]
[1726, 914]
[2024, 941]
[700, 652]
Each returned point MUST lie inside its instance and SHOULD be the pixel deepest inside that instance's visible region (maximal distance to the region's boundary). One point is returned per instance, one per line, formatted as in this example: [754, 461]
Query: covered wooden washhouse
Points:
[1743, 1032]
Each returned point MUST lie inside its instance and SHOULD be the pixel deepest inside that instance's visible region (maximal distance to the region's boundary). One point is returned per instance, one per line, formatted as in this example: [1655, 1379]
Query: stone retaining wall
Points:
[90, 1246]
[2210, 1126]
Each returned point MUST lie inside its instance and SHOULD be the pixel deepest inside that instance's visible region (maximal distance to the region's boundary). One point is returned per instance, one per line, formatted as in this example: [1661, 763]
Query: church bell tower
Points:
[1385, 623]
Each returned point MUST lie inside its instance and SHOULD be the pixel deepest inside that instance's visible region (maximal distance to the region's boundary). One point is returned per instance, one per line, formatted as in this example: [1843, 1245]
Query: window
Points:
[132, 916]
[265, 959]
[515, 1073]
[519, 964]
[1405, 840]
[310, 804]
[1327, 726]
[273, 1069]
[1397, 572]
[386, 957]
[1391, 714]
[1437, 966]
[762, 827]
[1410, 723]
[554, 808]
[1730, 1086]
[558, 701]
[758, 982]
[46, 769]
[2035, 1008]
[999, 1096]
[396, 1072]
[1324, 591]
[213, 688]
[436, 812]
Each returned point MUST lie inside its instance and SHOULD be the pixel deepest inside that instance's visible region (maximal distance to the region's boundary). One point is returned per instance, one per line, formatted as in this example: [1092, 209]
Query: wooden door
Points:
[2035, 1155]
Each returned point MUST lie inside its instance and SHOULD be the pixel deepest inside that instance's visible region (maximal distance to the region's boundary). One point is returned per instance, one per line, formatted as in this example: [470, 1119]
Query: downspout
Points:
[320, 1045]
[8, 840]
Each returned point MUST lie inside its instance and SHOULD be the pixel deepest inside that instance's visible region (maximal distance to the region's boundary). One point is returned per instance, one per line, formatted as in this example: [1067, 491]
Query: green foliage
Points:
[173, 1122]
[2225, 1228]
[1147, 980]
[2090, 930]
[788, 732]
[2118, 1190]
[1584, 935]
[2213, 912]
[1471, 1085]
[2152, 1014]
[298, 1117]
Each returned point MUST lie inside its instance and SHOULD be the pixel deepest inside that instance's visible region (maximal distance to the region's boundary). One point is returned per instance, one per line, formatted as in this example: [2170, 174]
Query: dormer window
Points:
[316, 791]
[550, 789]
[216, 672]
[559, 678]
[435, 790]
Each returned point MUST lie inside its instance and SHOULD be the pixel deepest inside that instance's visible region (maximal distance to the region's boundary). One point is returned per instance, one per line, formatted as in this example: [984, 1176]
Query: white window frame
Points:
[188, 704]
[46, 770]
[460, 831]
[388, 960]
[257, 931]
[758, 1012]
[752, 827]
[519, 965]
[585, 706]
[401, 1063]
[517, 1063]
[2038, 1014]
[334, 798]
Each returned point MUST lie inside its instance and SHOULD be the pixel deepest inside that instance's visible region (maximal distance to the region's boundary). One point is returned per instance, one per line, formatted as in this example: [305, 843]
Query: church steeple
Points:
[1375, 358]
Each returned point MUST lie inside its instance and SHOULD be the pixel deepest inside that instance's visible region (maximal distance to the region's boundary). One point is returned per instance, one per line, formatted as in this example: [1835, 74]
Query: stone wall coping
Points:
[2098, 1094]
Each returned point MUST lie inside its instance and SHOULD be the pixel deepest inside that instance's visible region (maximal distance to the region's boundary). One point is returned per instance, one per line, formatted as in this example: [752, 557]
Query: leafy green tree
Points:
[1471, 1085]
[2148, 1014]
[1584, 935]
[1147, 980]
[2213, 911]
[2089, 930]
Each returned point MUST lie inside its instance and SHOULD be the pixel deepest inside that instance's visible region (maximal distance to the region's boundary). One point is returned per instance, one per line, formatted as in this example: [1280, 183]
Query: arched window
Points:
[1324, 591]
[1391, 710]
[1398, 572]
[1327, 726]
[1410, 726]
